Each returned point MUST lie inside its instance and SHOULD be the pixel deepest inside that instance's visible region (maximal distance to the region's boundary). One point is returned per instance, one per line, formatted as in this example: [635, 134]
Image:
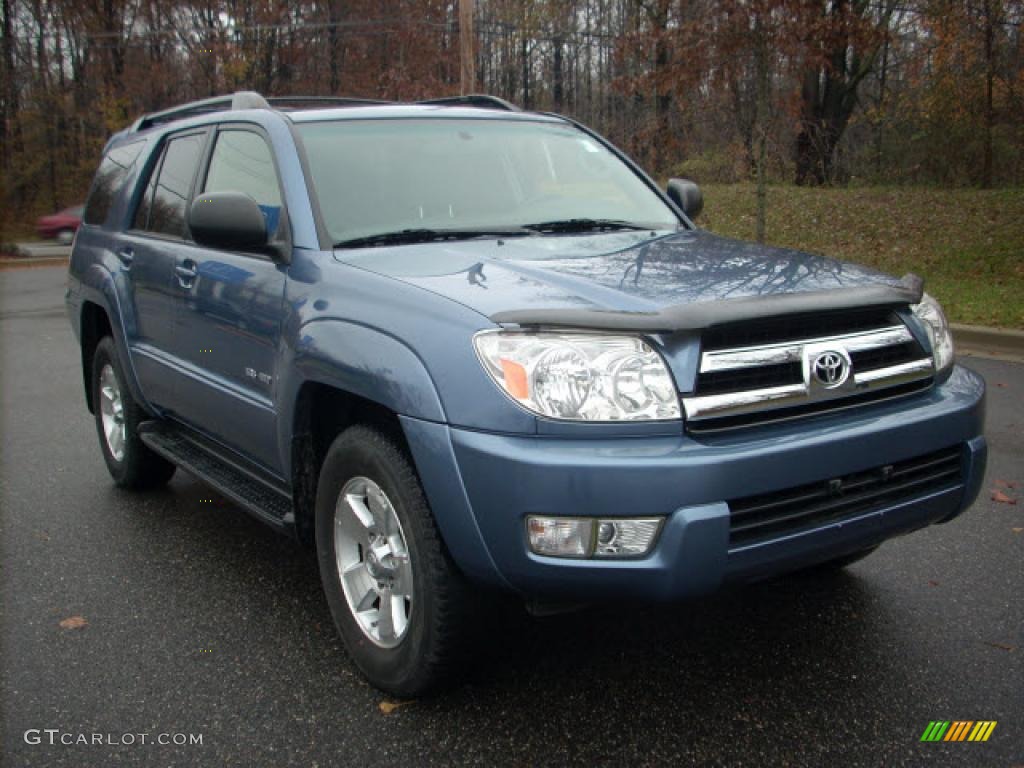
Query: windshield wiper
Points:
[407, 236]
[583, 225]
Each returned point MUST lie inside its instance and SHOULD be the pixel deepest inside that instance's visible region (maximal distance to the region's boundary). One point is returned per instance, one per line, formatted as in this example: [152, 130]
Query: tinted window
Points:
[109, 177]
[173, 185]
[141, 219]
[242, 162]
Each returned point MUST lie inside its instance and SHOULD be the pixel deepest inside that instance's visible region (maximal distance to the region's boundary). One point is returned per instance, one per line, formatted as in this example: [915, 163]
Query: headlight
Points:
[580, 376]
[934, 320]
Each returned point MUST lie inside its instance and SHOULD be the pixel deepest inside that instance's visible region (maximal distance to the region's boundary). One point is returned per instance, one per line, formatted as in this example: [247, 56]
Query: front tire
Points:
[131, 463]
[396, 597]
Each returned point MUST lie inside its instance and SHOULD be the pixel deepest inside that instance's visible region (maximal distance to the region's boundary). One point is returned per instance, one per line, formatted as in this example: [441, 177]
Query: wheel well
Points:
[95, 325]
[322, 412]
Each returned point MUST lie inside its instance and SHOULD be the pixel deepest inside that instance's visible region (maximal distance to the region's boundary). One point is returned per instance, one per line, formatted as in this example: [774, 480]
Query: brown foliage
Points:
[817, 90]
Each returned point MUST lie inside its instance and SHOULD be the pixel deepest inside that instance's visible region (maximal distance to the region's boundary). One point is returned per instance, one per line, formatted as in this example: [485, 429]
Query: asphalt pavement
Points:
[202, 622]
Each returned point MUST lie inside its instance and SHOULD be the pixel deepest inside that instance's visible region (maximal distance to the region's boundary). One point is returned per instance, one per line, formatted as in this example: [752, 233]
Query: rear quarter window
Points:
[108, 181]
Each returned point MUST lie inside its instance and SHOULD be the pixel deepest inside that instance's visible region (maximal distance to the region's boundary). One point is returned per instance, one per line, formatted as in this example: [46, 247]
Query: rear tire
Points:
[374, 526]
[66, 236]
[131, 463]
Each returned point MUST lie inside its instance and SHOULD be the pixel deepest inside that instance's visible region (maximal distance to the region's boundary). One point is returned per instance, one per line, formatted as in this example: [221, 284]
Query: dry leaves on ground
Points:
[387, 707]
[74, 622]
[1001, 498]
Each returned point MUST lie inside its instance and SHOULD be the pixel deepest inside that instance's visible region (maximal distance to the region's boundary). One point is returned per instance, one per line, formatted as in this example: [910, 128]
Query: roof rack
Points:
[325, 101]
[253, 100]
[238, 100]
[481, 100]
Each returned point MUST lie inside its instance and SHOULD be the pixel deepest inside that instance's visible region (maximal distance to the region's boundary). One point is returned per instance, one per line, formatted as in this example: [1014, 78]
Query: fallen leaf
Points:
[1002, 498]
[1017, 530]
[74, 622]
[387, 707]
[1003, 646]
[932, 583]
[1005, 484]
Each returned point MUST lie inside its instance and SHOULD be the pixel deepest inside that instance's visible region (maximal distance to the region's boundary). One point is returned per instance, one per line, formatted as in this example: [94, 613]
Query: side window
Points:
[109, 178]
[173, 184]
[242, 162]
[141, 218]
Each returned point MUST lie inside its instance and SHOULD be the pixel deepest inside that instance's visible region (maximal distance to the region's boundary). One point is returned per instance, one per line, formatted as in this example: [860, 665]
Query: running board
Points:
[244, 486]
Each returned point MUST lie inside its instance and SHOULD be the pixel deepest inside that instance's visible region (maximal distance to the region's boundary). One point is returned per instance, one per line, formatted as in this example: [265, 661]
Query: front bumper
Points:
[482, 486]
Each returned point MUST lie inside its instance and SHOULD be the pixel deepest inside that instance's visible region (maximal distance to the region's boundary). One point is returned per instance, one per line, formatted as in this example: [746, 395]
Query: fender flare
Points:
[98, 286]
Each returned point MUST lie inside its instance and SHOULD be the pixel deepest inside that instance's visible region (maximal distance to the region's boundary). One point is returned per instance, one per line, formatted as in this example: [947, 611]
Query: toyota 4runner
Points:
[459, 347]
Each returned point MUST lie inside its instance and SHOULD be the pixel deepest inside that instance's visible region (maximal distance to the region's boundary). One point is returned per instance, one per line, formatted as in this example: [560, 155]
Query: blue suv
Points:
[460, 348]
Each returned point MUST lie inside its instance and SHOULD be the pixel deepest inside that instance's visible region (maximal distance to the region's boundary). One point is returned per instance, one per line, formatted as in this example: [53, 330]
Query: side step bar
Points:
[258, 495]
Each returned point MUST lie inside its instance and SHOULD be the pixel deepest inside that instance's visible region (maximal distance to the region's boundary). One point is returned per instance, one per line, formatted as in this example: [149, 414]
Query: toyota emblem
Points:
[831, 369]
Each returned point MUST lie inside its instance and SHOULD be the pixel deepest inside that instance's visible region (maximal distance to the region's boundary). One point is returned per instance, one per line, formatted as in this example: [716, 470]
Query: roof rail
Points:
[480, 100]
[324, 101]
[253, 100]
[238, 100]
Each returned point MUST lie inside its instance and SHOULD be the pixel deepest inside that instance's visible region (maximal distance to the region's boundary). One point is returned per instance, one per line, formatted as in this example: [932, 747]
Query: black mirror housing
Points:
[687, 195]
[230, 220]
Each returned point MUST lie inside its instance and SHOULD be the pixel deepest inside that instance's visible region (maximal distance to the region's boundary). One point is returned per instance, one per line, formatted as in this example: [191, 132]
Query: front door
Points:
[231, 311]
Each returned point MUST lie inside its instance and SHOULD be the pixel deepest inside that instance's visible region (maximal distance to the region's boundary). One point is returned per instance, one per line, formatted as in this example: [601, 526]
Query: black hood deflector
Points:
[698, 315]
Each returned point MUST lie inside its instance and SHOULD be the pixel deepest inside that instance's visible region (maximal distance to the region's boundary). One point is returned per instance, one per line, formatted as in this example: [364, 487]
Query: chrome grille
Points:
[793, 372]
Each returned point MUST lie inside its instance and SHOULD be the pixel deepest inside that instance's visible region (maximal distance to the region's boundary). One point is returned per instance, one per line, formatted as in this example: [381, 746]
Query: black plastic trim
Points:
[701, 314]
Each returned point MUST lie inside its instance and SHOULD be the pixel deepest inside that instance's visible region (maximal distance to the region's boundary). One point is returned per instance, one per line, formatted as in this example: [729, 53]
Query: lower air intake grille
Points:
[771, 515]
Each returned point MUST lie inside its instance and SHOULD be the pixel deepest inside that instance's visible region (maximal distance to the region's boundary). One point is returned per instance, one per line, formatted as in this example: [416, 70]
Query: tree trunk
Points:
[558, 91]
[986, 165]
[526, 71]
[467, 48]
[761, 121]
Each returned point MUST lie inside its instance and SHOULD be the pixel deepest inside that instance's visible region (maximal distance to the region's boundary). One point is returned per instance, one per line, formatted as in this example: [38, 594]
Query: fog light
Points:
[583, 537]
[561, 536]
[626, 538]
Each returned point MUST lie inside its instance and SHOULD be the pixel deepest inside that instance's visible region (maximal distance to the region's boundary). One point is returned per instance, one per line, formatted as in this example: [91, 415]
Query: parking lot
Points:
[202, 621]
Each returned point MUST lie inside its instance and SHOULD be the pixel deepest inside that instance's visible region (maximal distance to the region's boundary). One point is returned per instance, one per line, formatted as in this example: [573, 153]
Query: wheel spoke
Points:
[386, 625]
[360, 587]
[358, 507]
[402, 584]
[378, 506]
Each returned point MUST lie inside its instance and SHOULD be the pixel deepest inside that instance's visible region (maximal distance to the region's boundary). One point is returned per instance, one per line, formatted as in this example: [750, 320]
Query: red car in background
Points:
[60, 226]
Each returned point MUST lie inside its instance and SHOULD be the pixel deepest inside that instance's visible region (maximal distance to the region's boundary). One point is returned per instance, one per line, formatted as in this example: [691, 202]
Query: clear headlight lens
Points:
[582, 377]
[935, 323]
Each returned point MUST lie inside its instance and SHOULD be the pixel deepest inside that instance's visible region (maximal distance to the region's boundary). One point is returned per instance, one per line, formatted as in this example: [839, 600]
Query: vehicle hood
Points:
[628, 273]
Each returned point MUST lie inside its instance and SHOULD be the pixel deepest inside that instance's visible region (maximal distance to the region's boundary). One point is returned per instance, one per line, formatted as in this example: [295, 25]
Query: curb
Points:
[33, 261]
[988, 342]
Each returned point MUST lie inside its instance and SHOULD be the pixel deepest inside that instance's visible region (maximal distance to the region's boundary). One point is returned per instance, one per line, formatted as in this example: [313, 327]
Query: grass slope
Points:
[968, 245]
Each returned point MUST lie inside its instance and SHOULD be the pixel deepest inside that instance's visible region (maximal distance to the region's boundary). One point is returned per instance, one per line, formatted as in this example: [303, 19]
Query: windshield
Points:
[376, 177]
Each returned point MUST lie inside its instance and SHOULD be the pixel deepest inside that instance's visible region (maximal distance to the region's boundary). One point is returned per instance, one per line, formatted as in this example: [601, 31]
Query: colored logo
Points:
[831, 369]
[958, 730]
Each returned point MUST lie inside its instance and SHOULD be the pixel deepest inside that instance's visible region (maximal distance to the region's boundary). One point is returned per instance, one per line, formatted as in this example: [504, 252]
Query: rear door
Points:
[148, 250]
[232, 307]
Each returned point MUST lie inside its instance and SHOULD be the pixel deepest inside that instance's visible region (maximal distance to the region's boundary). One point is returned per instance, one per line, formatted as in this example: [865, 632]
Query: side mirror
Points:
[687, 196]
[230, 220]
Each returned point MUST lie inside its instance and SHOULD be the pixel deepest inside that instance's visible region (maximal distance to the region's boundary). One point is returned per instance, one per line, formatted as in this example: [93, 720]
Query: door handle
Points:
[126, 256]
[186, 272]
